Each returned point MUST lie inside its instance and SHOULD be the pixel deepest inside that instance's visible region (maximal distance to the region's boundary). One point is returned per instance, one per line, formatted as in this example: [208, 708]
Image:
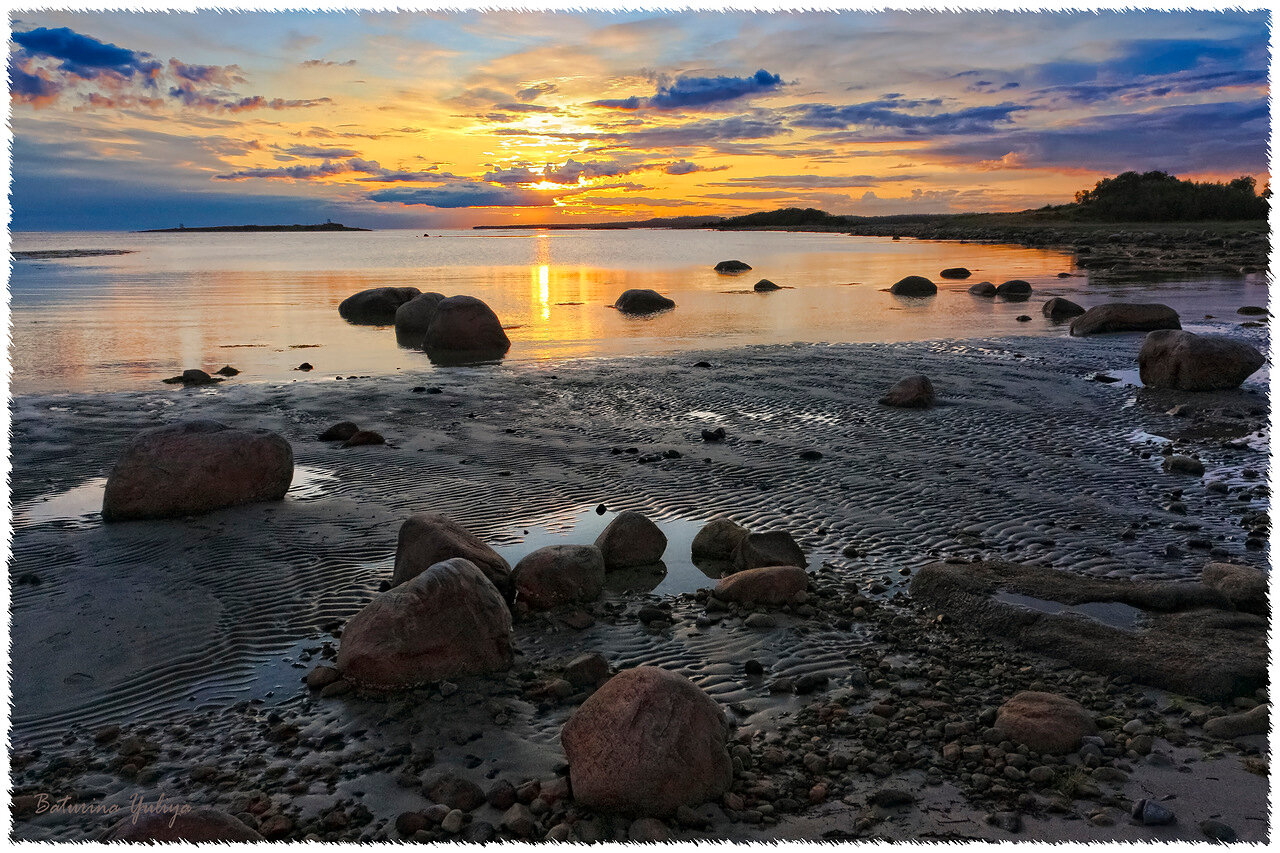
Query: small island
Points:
[324, 226]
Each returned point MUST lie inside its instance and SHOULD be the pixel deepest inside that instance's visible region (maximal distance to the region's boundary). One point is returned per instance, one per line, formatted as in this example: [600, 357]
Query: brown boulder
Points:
[771, 548]
[914, 392]
[559, 574]
[914, 285]
[182, 822]
[464, 324]
[647, 742]
[983, 288]
[642, 301]
[1014, 288]
[1125, 317]
[415, 316]
[1189, 362]
[1044, 722]
[717, 539]
[429, 538]
[1243, 587]
[955, 272]
[774, 585]
[631, 540]
[1255, 721]
[448, 621]
[195, 467]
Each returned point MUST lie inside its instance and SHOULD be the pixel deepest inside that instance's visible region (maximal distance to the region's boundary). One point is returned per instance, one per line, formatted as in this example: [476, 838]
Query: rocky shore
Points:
[856, 708]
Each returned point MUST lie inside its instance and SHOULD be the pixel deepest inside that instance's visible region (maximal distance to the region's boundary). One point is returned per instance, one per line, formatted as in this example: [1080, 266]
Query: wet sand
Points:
[194, 634]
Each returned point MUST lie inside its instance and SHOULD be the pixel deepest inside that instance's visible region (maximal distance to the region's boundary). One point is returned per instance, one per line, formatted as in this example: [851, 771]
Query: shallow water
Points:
[1113, 613]
[264, 303]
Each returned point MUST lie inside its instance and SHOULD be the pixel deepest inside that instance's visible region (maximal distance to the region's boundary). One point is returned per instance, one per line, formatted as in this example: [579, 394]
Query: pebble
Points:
[1218, 831]
[1150, 813]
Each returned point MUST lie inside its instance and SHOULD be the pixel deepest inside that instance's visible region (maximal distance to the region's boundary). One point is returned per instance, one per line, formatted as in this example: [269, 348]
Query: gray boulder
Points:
[1185, 361]
[771, 548]
[631, 540]
[429, 538]
[983, 288]
[465, 325]
[1125, 317]
[376, 306]
[642, 301]
[914, 285]
[1058, 308]
[414, 317]
[914, 392]
[558, 574]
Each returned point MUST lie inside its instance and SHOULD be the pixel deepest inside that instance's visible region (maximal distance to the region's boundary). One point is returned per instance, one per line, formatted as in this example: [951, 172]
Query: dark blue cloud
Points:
[32, 88]
[1195, 138]
[894, 114]
[688, 92]
[83, 55]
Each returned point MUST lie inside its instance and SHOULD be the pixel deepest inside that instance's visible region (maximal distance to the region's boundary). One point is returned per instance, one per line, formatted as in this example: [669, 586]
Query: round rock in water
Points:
[1058, 308]
[1044, 722]
[415, 316]
[631, 540]
[195, 467]
[955, 272]
[376, 306]
[639, 301]
[1185, 361]
[773, 585]
[464, 324]
[1014, 288]
[448, 621]
[646, 743]
[559, 574]
[718, 538]
[765, 286]
[770, 548]
[983, 288]
[429, 538]
[732, 266]
[914, 285]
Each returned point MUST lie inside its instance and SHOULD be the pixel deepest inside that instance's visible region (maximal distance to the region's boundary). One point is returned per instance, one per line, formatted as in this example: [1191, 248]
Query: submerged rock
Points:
[414, 317]
[955, 272]
[1044, 722]
[732, 266]
[194, 376]
[195, 467]
[465, 325]
[647, 742]
[914, 285]
[914, 392]
[376, 306]
[764, 286]
[983, 288]
[429, 538]
[558, 574]
[1178, 464]
[1014, 288]
[1189, 362]
[642, 301]
[340, 431]
[363, 437]
[1125, 317]
[1058, 308]
[773, 585]
[445, 622]
[630, 540]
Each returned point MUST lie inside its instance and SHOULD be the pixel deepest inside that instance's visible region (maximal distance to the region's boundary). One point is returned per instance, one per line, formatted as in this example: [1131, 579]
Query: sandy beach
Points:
[168, 656]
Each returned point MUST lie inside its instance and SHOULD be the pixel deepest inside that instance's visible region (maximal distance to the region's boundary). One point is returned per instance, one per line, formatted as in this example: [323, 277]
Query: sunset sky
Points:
[145, 120]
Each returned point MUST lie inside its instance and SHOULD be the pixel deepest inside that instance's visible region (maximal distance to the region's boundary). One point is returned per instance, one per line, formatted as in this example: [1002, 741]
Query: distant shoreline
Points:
[326, 226]
[55, 254]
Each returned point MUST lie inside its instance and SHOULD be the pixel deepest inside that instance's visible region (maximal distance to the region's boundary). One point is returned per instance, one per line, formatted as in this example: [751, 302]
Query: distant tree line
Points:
[1161, 197]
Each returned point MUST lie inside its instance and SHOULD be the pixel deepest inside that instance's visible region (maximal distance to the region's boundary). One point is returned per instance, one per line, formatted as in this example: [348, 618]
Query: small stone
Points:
[452, 822]
[1218, 831]
[761, 621]
[648, 830]
[1150, 813]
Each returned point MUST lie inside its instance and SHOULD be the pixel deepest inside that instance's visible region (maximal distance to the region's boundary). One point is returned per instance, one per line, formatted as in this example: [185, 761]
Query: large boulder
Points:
[717, 539]
[1014, 288]
[376, 306]
[464, 324]
[631, 540]
[446, 622]
[1242, 587]
[1185, 361]
[558, 574]
[955, 272]
[642, 301]
[983, 288]
[914, 392]
[1125, 317]
[429, 538]
[1044, 722]
[646, 743]
[1058, 308]
[771, 548]
[774, 585]
[177, 821]
[195, 467]
[414, 317]
[914, 285]
[732, 266]
[1255, 721]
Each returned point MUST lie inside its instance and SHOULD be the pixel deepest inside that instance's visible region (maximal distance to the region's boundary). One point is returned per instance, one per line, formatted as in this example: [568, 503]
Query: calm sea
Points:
[264, 303]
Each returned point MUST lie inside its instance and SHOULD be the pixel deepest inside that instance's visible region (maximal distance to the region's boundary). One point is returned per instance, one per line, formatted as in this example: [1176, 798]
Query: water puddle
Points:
[81, 506]
[676, 574]
[1113, 613]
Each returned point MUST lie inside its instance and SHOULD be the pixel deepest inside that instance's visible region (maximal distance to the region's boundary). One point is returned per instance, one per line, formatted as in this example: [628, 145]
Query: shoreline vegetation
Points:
[1143, 226]
[324, 226]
